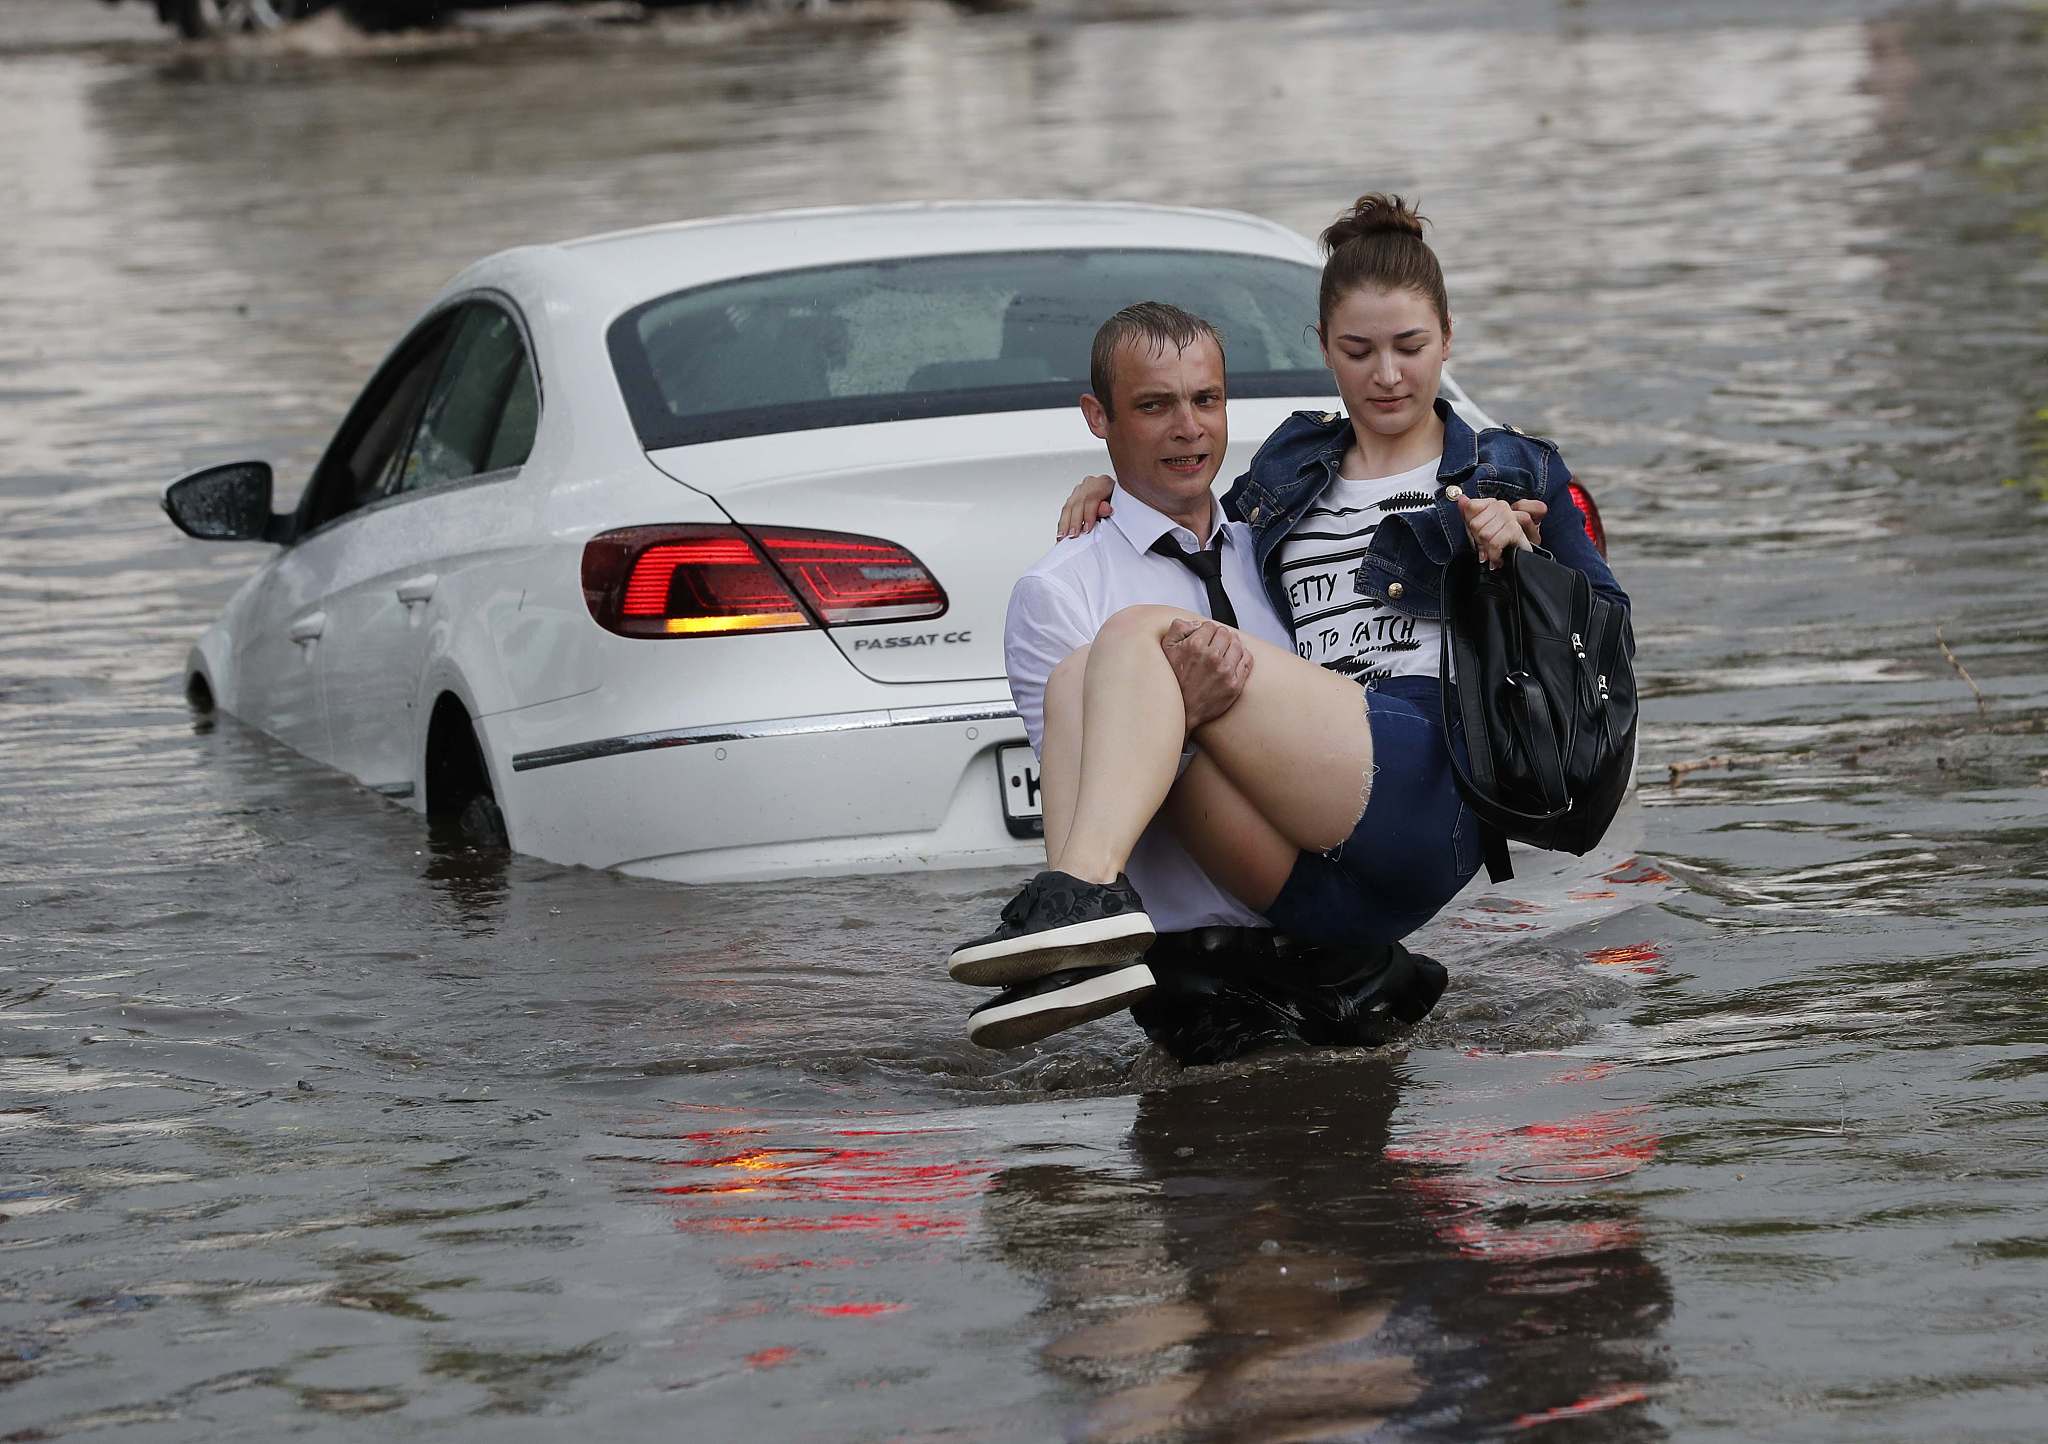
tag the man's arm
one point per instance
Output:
(1046, 624)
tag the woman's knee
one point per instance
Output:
(1070, 671)
(1143, 621)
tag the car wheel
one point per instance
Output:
(382, 16)
(481, 824)
(204, 19)
(460, 798)
(199, 697)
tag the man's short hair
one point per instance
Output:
(1152, 321)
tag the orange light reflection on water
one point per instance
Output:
(796, 1185)
(1635, 870)
(1640, 957)
(877, 1192)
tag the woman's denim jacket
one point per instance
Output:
(1404, 562)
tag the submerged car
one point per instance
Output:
(686, 550)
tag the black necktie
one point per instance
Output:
(1208, 565)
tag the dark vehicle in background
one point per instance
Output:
(205, 19)
(199, 19)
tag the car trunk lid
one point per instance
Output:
(975, 498)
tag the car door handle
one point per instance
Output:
(415, 590)
(308, 629)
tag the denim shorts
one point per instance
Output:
(1411, 852)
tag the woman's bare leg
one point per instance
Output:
(1295, 744)
(1059, 763)
(1243, 853)
(1227, 836)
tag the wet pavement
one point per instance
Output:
(307, 1117)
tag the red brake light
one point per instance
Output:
(675, 581)
(1595, 532)
(854, 578)
(670, 581)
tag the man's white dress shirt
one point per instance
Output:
(1057, 608)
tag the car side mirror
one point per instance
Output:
(226, 503)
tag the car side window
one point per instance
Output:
(367, 451)
(518, 421)
(481, 412)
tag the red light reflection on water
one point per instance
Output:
(839, 1175)
(853, 1311)
(777, 1262)
(1591, 1073)
(1473, 925)
(898, 1223)
(800, 1177)
(1488, 1176)
(775, 1186)
(1482, 1238)
(1638, 957)
(1636, 870)
(1590, 1136)
(1591, 1404)
(712, 1135)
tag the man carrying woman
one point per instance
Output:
(1317, 794)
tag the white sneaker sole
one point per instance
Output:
(1097, 944)
(1026, 1021)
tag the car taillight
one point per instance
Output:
(853, 578)
(1595, 532)
(679, 581)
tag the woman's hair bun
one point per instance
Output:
(1374, 215)
(1378, 244)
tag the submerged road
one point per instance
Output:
(306, 1119)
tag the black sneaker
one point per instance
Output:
(1040, 1008)
(1057, 922)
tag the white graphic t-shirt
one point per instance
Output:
(1334, 626)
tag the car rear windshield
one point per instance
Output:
(900, 340)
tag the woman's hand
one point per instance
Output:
(1495, 526)
(1086, 504)
(1211, 663)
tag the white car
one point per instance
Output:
(685, 550)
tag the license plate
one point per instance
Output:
(1017, 774)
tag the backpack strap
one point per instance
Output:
(1493, 847)
(1478, 781)
(1493, 843)
(1471, 719)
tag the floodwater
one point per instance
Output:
(311, 1124)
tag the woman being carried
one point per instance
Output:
(1324, 797)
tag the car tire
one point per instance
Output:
(208, 19)
(481, 823)
(199, 697)
(381, 17)
(460, 797)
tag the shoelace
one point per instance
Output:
(1018, 908)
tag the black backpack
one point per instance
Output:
(1546, 690)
